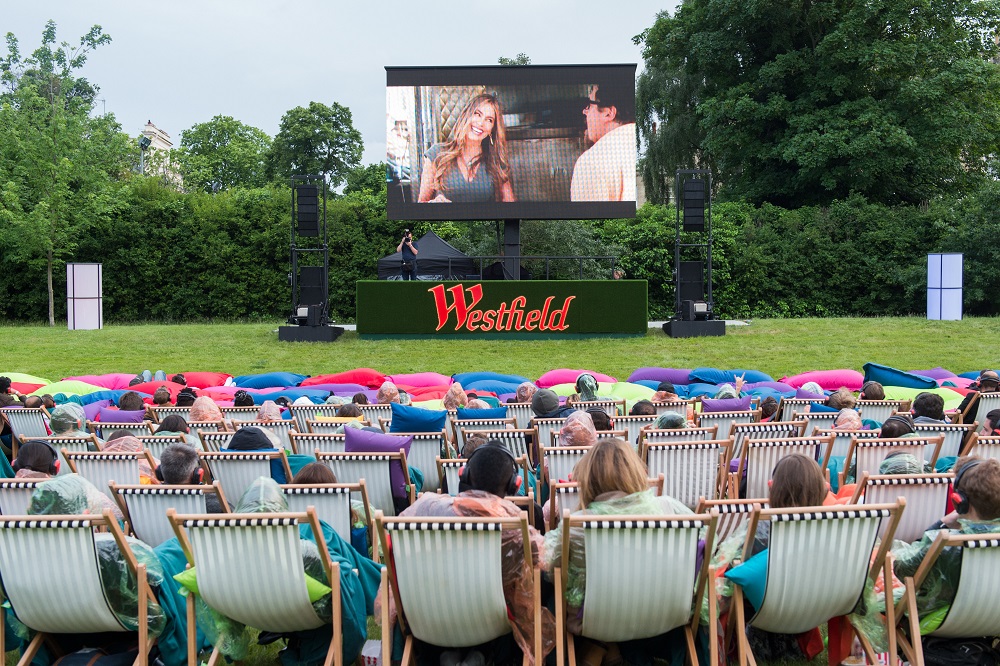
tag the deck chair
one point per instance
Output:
(760, 456)
(280, 428)
(635, 426)
(208, 426)
(543, 428)
(100, 468)
(70, 597)
(733, 513)
(987, 403)
(308, 443)
(460, 426)
(238, 414)
(301, 414)
(25, 422)
(214, 441)
(726, 420)
(611, 407)
(807, 540)
(565, 496)
(655, 436)
(319, 427)
(986, 447)
(690, 470)
(842, 438)
(373, 412)
(631, 595)
(384, 424)
(332, 502)
(15, 495)
(926, 498)
(558, 461)
(269, 551)
(449, 469)
(445, 576)
(955, 436)
(374, 468)
(156, 444)
(425, 448)
(676, 406)
(788, 406)
(816, 420)
(601, 434)
(521, 413)
(88, 443)
(974, 611)
(515, 440)
(145, 507)
(161, 412)
(868, 454)
(103, 430)
(880, 410)
(771, 430)
(236, 470)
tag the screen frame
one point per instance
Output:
(398, 209)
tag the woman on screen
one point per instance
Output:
(472, 165)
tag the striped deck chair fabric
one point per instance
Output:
(464, 554)
(309, 443)
(558, 461)
(208, 426)
(611, 407)
(145, 507)
(986, 447)
(521, 413)
(691, 470)
(301, 414)
(880, 410)
(733, 514)
(332, 502)
(69, 598)
(425, 448)
(460, 426)
(601, 434)
(103, 430)
(654, 436)
(214, 441)
(374, 468)
(926, 498)
(788, 406)
(725, 420)
(867, 454)
(373, 412)
(15, 495)
(269, 552)
(954, 434)
(759, 458)
(544, 427)
(280, 428)
(634, 426)
(563, 496)
(448, 471)
(236, 470)
(384, 424)
(161, 412)
(842, 438)
(156, 444)
(326, 427)
(676, 406)
(987, 403)
(88, 443)
(630, 595)
(237, 414)
(100, 468)
(771, 430)
(25, 422)
(515, 440)
(816, 420)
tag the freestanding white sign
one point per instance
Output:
(84, 296)
(944, 286)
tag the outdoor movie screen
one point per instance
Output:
(511, 142)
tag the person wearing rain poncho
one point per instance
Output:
(612, 481)
(69, 420)
(979, 482)
(586, 387)
(357, 592)
(71, 494)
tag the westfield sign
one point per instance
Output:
(512, 316)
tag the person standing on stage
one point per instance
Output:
(408, 263)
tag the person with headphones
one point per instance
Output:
(179, 466)
(489, 475)
(976, 497)
(35, 460)
(987, 382)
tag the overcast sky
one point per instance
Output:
(182, 62)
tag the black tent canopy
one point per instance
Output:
(436, 258)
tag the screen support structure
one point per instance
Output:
(512, 249)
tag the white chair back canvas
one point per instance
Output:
(15, 495)
(100, 468)
(869, 453)
(303, 413)
(237, 470)
(816, 420)
(237, 414)
(974, 611)
(725, 420)
(424, 450)
(954, 435)
(987, 447)
(373, 413)
(326, 427)
(73, 444)
(544, 428)
(654, 436)
(987, 403)
(788, 406)
(771, 430)
(521, 413)
(842, 438)
(675, 406)
(448, 474)
(559, 461)
(880, 410)
(564, 497)
(147, 508)
(278, 428)
(633, 425)
(214, 441)
(761, 457)
(611, 407)
(25, 422)
(373, 468)
(161, 412)
(691, 470)
(309, 443)
(332, 502)
(105, 430)
(461, 426)
(157, 444)
(733, 514)
(926, 498)
(515, 440)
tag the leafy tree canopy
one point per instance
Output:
(223, 153)
(519, 59)
(369, 179)
(799, 103)
(319, 139)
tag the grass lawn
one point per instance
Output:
(779, 347)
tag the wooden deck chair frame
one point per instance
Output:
(842, 438)
(732, 514)
(691, 601)
(206, 458)
(956, 436)
(15, 495)
(422, 459)
(525, 503)
(282, 429)
(742, 432)
(818, 448)
(617, 406)
(21, 420)
(698, 454)
(518, 437)
(400, 456)
(320, 427)
(360, 488)
(870, 567)
(880, 410)
(676, 406)
(559, 451)
(74, 457)
(907, 442)
(58, 443)
(984, 447)
(443, 464)
(231, 414)
(734, 417)
(926, 498)
(106, 521)
(143, 428)
(161, 411)
(974, 607)
(155, 444)
(384, 424)
(816, 420)
(635, 424)
(120, 490)
(314, 441)
(793, 405)
(220, 426)
(302, 414)
(666, 436)
(986, 403)
(390, 576)
(521, 413)
(209, 438)
(459, 426)
(181, 523)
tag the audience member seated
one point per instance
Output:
(175, 424)
(670, 421)
(586, 387)
(387, 393)
(897, 425)
(9, 396)
(350, 410)
(602, 421)
(898, 463)
(186, 397)
(360, 399)
(69, 420)
(31, 401)
(35, 460)
(205, 409)
(977, 511)
(928, 408)
(872, 391)
(842, 398)
(269, 411)
(180, 466)
(768, 408)
(490, 475)
(179, 379)
(130, 401)
(577, 430)
(848, 419)
(122, 441)
(988, 382)
(545, 405)
(161, 396)
(643, 408)
(991, 425)
(48, 402)
(242, 399)
(524, 392)
(252, 438)
(455, 397)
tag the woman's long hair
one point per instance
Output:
(494, 147)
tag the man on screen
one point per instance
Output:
(606, 170)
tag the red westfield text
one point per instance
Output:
(511, 316)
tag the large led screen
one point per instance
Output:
(522, 142)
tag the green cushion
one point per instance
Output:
(951, 398)
(317, 590)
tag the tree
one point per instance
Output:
(799, 103)
(319, 139)
(519, 59)
(223, 153)
(56, 161)
(368, 179)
